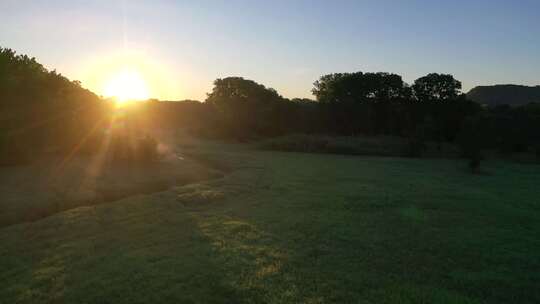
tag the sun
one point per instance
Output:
(126, 85)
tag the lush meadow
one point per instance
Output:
(291, 227)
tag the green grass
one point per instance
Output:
(46, 187)
(292, 228)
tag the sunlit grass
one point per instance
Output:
(292, 228)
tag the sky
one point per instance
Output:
(181, 47)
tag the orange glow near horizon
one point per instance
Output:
(129, 76)
(126, 85)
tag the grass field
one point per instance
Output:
(33, 191)
(292, 228)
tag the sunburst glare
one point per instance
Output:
(127, 85)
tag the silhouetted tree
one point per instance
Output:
(436, 87)
(246, 109)
(361, 102)
(41, 109)
(357, 87)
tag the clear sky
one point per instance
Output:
(180, 47)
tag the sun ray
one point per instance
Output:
(127, 85)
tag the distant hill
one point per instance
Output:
(510, 94)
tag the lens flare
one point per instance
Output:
(127, 85)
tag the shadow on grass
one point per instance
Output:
(31, 193)
(145, 249)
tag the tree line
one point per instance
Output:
(41, 110)
(432, 109)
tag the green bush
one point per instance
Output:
(360, 145)
(147, 149)
(123, 148)
(470, 141)
(347, 145)
(415, 147)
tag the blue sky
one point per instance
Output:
(286, 45)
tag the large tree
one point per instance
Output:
(436, 87)
(232, 90)
(358, 86)
(361, 103)
(245, 108)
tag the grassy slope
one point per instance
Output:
(286, 227)
(43, 188)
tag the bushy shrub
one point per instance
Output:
(147, 149)
(415, 147)
(360, 145)
(470, 141)
(123, 148)
(297, 143)
(347, 145)
(474, 161)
